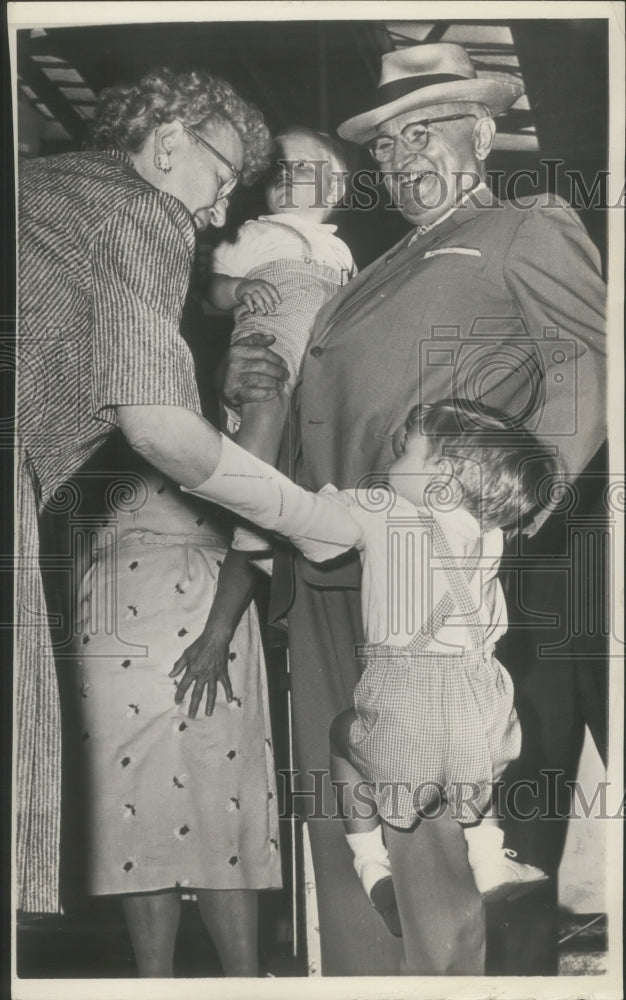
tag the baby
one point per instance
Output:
(433, 709)
(279, 272)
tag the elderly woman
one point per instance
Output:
(107, 242)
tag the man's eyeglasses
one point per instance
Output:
(229, 185)
(413, 136)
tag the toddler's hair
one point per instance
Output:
(505, 472)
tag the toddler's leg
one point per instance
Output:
(496, 872)
(359, 816)
(362, 825)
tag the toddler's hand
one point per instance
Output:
(257, 296)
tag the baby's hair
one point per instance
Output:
(333, 147)
(504, 471)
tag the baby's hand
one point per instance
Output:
(257, 296)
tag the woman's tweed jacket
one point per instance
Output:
(104, 264)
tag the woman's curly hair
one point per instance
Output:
(125, 115)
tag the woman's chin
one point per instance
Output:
(201, 219)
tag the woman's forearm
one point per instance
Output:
(319, 524)
(183, 446)
(178, 442)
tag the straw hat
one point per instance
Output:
(424, 75)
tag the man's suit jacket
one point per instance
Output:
(500, 302)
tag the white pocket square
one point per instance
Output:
(468, 251)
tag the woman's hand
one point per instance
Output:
(257, 296)
(204, 663)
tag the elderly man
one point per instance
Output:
(495, 302)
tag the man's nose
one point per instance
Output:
(403, 158)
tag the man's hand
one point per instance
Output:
(205, 663)
(258, 296)
(252, 372)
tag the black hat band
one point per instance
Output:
(409, 84)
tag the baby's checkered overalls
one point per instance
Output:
(305, 286)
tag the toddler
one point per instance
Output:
(279, 272)
(433, 710)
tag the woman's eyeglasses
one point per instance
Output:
(229, 185)
(413, 136)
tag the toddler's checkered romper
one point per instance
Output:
(429, 725)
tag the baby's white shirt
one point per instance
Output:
(269, 238)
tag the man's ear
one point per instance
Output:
(484, 134)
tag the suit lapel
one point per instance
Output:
(402, 256)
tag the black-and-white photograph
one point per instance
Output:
(318, 582)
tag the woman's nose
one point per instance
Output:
(397, 441)
(217, 213)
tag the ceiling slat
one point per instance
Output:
(50, 95)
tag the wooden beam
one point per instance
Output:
(49, 94)
(437, 31)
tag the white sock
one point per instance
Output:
(371, 861)
(483, 842)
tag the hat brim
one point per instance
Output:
(498, 91)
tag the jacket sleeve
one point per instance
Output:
(140, 266)
(552, 271)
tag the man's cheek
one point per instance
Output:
(392, 186)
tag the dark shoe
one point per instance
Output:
(510, 891)
(383, 899)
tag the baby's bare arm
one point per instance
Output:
(227, 293)
(221, 291)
